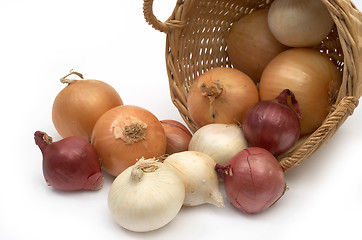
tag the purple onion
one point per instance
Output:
(273, 124)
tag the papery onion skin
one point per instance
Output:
(69, 164)
(177, 135)
(299, 23)
(146, 137)
(221, 95)
(253, 180)
(273, 124)
(311, 76)
(251, 45)
(78, 106)
(147, 201)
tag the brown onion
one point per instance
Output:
(125, 134)
(177, 135)
(253, 180)
(79, 105)
(69, 164)
(221, 95)
(251, 45)
(273, 124)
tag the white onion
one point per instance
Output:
(220, 141)
(299, 23)
(197, 171)
(146, 196)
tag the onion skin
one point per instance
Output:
(221, 95)
(146, 139)
(69, 164)
(251, 45)
(272, 124)
(253, 180)
(78, 106)
(177, 136)
(311, 76)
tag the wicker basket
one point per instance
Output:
(195, 43)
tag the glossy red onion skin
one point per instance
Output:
(271, 125)
(253, 180)
(70, 164)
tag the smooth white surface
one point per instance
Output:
(110, 41)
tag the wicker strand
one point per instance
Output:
(344, 109)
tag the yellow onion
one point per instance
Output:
(125, 134)
(221, 95)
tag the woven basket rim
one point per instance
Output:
(348, 21)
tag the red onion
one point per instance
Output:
(273, 124)
(69, 164)
(253, 180)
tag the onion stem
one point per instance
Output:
(212, 91)
(69, 81)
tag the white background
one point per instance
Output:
(109, 40)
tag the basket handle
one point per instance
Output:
(340, 113)
(157, 24)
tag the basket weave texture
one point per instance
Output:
(195, 43)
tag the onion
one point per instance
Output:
(127, 133)
(272, 124)
(79, 105)
(311, 76)
(253, 180)
(197, 172)
(299, 23)
(220, 141)
(146, 196)
(251, 45)
(69, 164)
(221, 95)
(177, 136)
